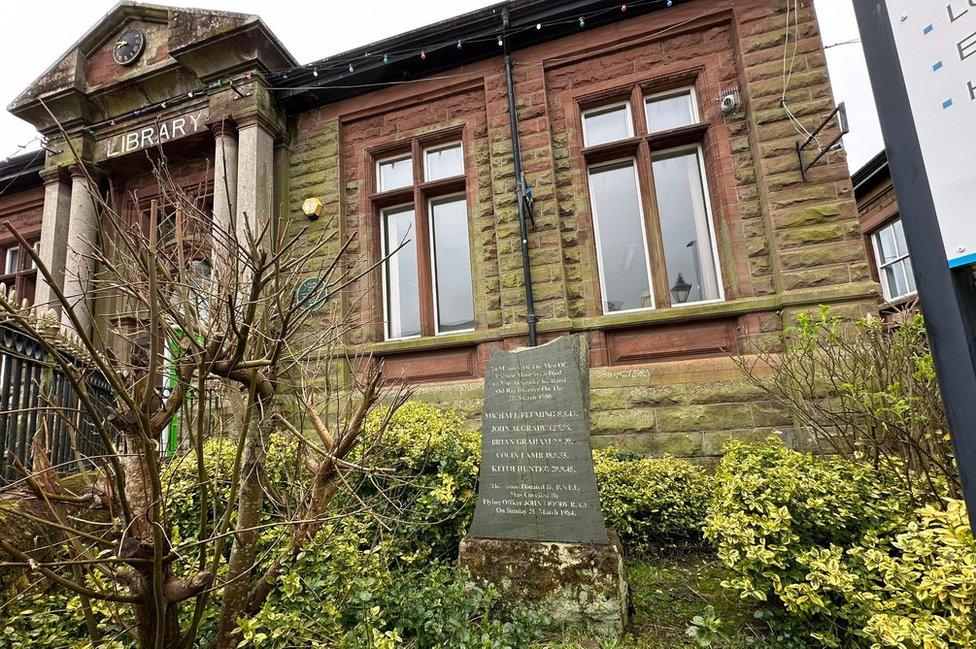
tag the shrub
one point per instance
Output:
(836, 546)
(866, 386)
(651, 502)
(370, 579)
(430, 498)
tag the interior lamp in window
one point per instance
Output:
(681, 290)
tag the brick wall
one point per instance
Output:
(662, 381)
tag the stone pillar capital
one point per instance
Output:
(224, 127)
(55, 175)
(262, 121)
(84, 171)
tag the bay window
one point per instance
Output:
(424, 241)
(652, 221)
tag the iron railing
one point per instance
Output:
(37, 398)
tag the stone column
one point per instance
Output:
(255, 174)
(54, 235)
(225, 182)
(82, 241)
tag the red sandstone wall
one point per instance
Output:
(785, 243)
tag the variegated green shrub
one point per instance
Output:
(651, 502)
(833, 544)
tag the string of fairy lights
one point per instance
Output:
(338, 66)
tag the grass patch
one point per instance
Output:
(668, 590)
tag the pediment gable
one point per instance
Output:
(82, 81)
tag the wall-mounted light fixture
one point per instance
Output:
(313, 208)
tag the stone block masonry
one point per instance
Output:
(662, 381)
(683, 409)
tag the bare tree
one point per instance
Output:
(866, 386)
(239, 330)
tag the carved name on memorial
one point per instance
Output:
(537, 480)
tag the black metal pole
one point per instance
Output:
(948, 296)
(519, 187)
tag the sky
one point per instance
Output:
(34, 34)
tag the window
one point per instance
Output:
(621, 243)
(420, 201)
(607, 124)
(11, 256)
(453, 299)
(670, 110)
(401, 273)
(394, 173)
(443, 162)
(689, 258)
(638, 238)
(894, 264)
(17, 270)
(201, 287)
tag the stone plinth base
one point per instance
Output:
(573, 584)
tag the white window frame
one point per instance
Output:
(393, 158)
(433, 263)
(383, 255)
(14, 247)
(876, 244)
(606, 108)
(667, 94)
(709, 217)
(440, 147)
(596, 231)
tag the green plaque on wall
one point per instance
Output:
(306, 293)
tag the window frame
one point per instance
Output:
(709, 218)
(645, 146)
(882, 277)
(597, 240)
(446, 198)
(400, 207)
(22, 278)
(606, 108)
(440, 147)
(665, 94)
(396, 157)
(418, 194)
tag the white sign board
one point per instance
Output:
(936, 42)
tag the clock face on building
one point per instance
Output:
(128, 47)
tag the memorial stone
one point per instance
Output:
(536, 480)
(538, 535)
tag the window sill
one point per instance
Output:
(643, 317)
(899, 302)
(440, 341)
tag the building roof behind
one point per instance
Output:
(330, 79)
(870, 173)
(21, 172)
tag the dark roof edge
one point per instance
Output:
(21, 172)
(478, 30)
(865, 177)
